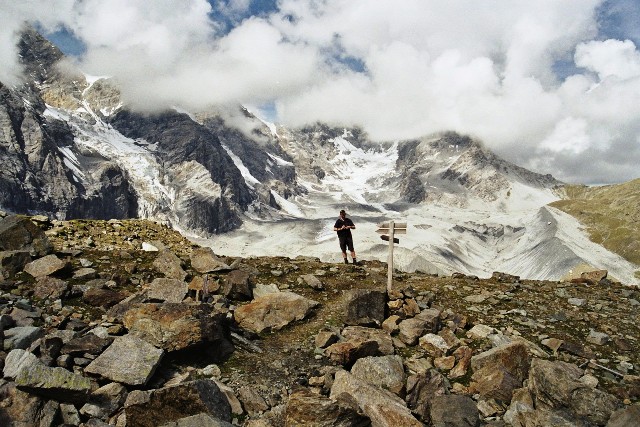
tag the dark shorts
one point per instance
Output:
(346, 242)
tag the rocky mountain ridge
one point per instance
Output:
(128, 323)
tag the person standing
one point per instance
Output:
(343, 227)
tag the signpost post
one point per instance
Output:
(388, 231)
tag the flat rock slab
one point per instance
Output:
(45, 266)
(15, 361)
(170, 265)
(21, 337)
(128, 360)
(53, 383)
(203, 260)
(273, 311)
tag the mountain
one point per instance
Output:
(72, 149)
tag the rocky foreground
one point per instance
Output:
(127, 323)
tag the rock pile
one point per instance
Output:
(126, 323)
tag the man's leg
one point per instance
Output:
(353, 257)
(343, 248)
(344, 257)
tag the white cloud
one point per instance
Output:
(483, 68)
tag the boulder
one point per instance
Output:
(556, 385)
(384, 340)
(383, 408)
(50, 287)
(409, 330)
(386, 372)
(20, 233)
(514, 358)
(434, 345)
(237, 285)
(365, 307)
(203, 260)
(175, 327)
(86, 344)
(170, 265)
(464, 415)
(105, 401)
(105, 298)
(346, 353)
(12, 262)
(625, 417)
(21, 337)
(128, 360)
(166, 289)
(273, 311)
(160, 406)
(422, 388)
(251, 400)
(53, 383)
(305, 408)
(21, 409)
(15, 361)
(46, 266)
(200, 420)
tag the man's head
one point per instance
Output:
(342, 213)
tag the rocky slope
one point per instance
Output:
(127, 323)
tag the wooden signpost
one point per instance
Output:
(388, 231)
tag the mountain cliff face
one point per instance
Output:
(70, 148)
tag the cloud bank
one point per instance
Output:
(399, 69)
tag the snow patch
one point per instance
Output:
(248, 178)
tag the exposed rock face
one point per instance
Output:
(365, 308)
(53, 383)
(18, 232)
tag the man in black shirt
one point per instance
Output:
(344, 226)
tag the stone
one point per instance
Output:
(365, 307)
(422, 388)
(445, 363)
(383, 408)
(597, 338)
(504, 277)
(173, 327)
(578, 302)
(463, 362)
(105, 401)
(312, 281)
(21, 337)
(386, 372)
(514, 358)
(625, 417)
(88, 343)
(433, 344)
(70, 415)
(384, 340)
(106, 298)
(480, 331)
(170, 265)
(85, 273)
(203, 260)
(305, 408)
(595, 275)
(273, 311)
(50, 287)
(46, 266)
(346, 353)
(325, 338)
(493, 382)
(557, 385)
(465, 413)
(53, 383)
(251, 400)
(237, 285)
(552, 344)
(128, 360)
(20, 233)
(21, 409)
(167, 290)
(200, 420)
(12, 262)
(160, 406)
(234, 402)
(390, 324)
(260, 289)
(15, 361)
(410, 330)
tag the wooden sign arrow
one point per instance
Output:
(398, 228)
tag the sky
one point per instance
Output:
(550, 85)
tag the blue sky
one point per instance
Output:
(551, 85)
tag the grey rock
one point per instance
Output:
(312, 281)
(409, 330)
(160, 406)
(85, 273)
(384, 408)
(386, 372)
(21, 337)
(237, 285)
(12, 262)
(70, 415)
(128, 360)
(45, 266)
(251, 400)
(464, 415)
(578, 302)
(625, 417)
(200, 420)
(305, 408)
(169, 290)
(170, 265)
(15, 361)
(365, 307)
(50, 287)
(86, 344)
(203, 260)
(598, 338)
(105, 401)
(422, 388)
(382, 338)
(53, 383)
